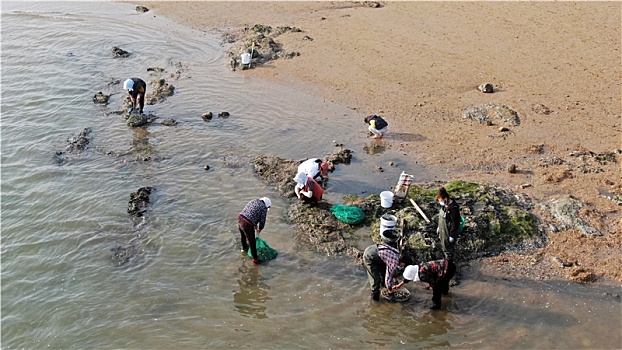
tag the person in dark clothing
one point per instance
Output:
(251, 220)
(136, 89)
(383, 264)
(448, 223)
(377, 126)
(436, 273)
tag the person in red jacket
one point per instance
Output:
(307, 189)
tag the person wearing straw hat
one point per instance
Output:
(251, 221)
(383, 264)
(307, 189)
(136, 89)
(436, 273)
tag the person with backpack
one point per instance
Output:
(377, 125)
(448, 223)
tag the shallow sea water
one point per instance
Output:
(188, 286)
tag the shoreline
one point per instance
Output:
(419, 65)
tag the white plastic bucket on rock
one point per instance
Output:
(387, 222)
(246, 58)
(386, 199)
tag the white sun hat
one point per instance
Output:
(411, 273)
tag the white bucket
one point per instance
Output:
(387, 222)
(386, 199)
(246, 58)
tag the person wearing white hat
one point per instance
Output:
(136, 89)
(251, 221)
(436, 273)
(307, 189)
(315, 168)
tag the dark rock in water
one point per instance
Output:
(120, 52)
(207, 116)
(142, 9)
(100, 98)
(486, 88)
(344, 156)
(161, 90)
(223, 115)
(80, 141)
(139, 201)
(136, 119)
(169, 122)
(122, 255)
(155, 69)
(206, 167)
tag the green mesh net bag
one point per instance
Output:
(349, 214)
(264, 251)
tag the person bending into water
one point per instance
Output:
(377, 126)
(436, 273)
(315, 168)
(250, 220)
(307, 189)
(136, 89)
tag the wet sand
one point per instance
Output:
(557, 64)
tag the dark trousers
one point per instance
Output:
(375, 267)
(247, 236)
(442, 286)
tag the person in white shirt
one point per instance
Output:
(314, 168)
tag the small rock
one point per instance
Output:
(512, 168)
(100, 98)
(119, 52)
(206, 167)
(169, 122)
(223, 115)
(486, 88)
(504, 129)
(207, 116)
(523, 186)
(306, 37)
(142, 9)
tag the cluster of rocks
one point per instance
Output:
(259, 42)
(497, 220)
(136, 243)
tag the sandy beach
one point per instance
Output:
(419, 65)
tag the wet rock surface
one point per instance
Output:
(500, 223)
(136, 244)
(490, 112)
(75, 145)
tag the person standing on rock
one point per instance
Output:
(448, 223)
(377, 126)
(315, 168)
(136, 89)
(307, 189)
(251, 221)
(436, 273)
(382, 263)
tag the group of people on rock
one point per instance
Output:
(384, 263)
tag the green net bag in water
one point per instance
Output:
(349, 214)
(264, 251)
